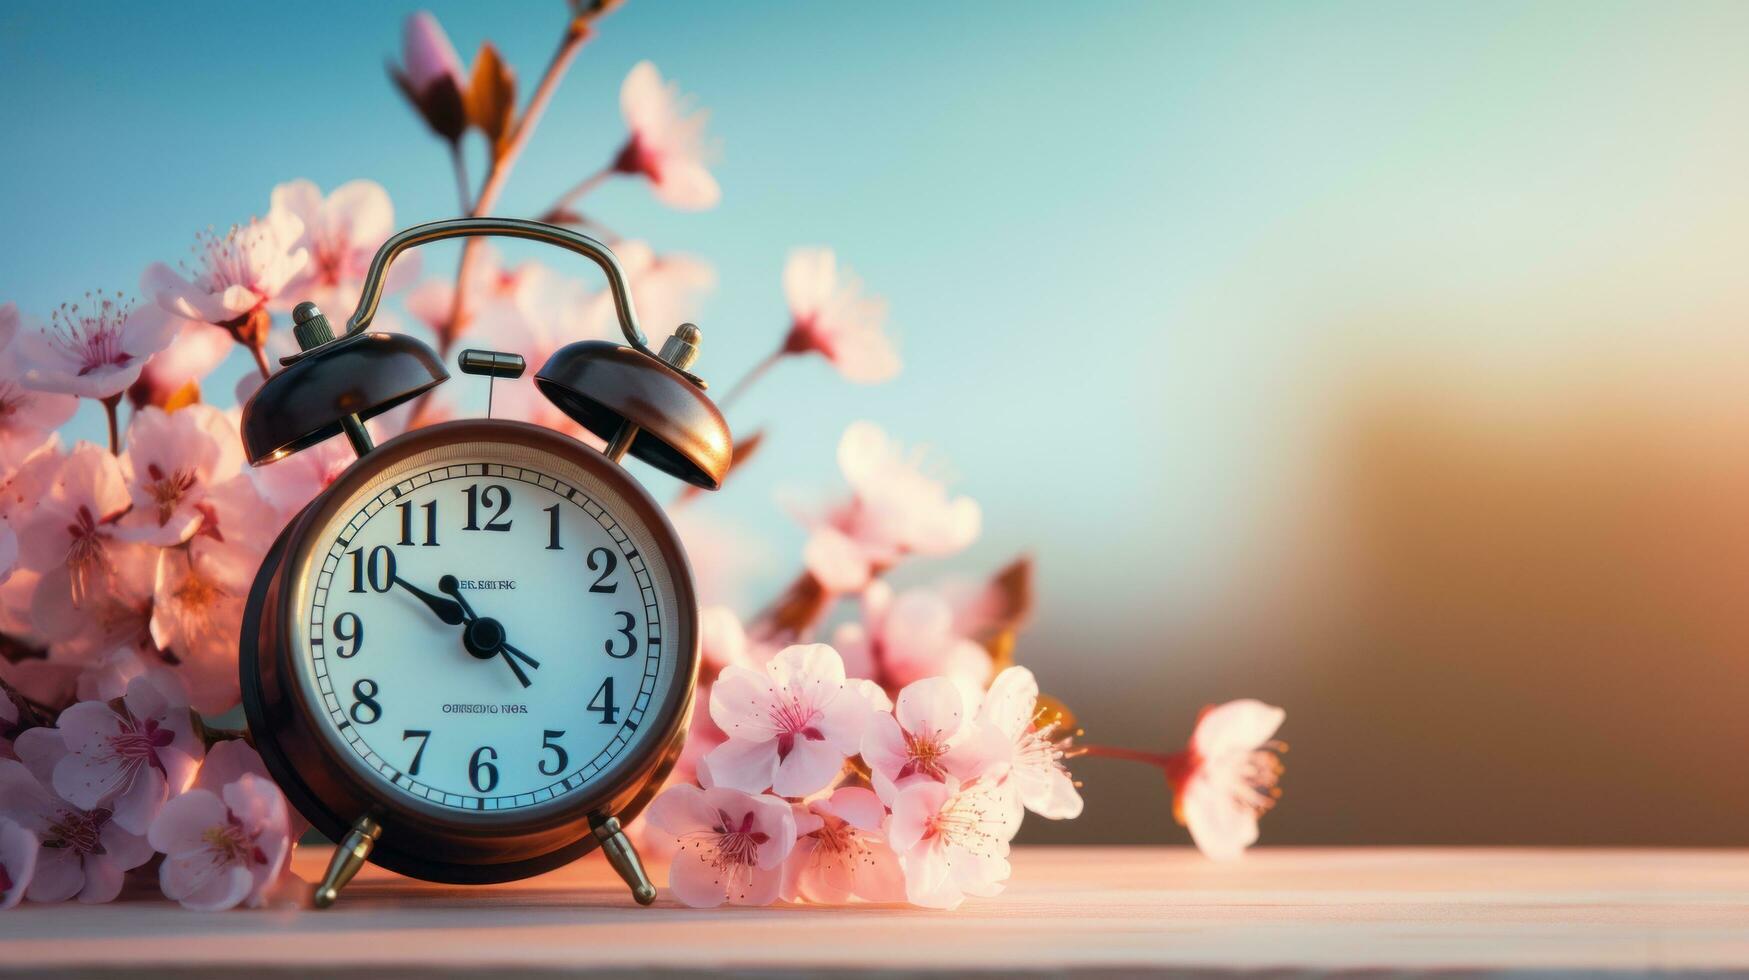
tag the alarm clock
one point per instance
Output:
(471, 658)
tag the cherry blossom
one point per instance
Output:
(28, 417)
(173, 459)
(73, 541)
(952, 839)
(841, 852)
(1041, 781)
(667, 143)
(908, 637)
(1226, 778)
(198, 349)
(730, 845)
(197, 614)
(226, 848)
(789, 727)
(130, 760)
(431, 76)
(932, 736)
(235, 275)
(83, 853)
(341, 233)
(489, 280)
(93, 349)
(895, 509)
(18, 850)
(108, 676)
(830, 316)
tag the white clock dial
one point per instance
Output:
(483, 628)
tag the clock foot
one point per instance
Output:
(348, 858)
(624, 858)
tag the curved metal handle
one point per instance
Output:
(538, 231)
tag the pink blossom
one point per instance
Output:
(1041, 781)
(83, 853)
(731, 845)
(722, 639)
(931, 737)
(94, 350)
(107, 677)
(667, 289)
(129, 761)
(173, 460)
(830, 316)
(667, 143)
(73, 541)
(909, 637)
(489, 279)
(952, 839)
(27, 417)
(226, 848)
(841, 852)
(895, 509)
(431, 76)
(198, 349)
(18, 850)
(236, 274)
(8, 551)
(1227, 776)
(789, 727)
(197, 614)
(293, 481)
(342, 233)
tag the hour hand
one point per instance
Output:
(447, 610)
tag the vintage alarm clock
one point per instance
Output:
(472, 657)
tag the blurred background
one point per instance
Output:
(1381, 361)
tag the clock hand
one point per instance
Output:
(484, 638)
(447, 610)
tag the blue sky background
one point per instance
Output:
(1135, 252)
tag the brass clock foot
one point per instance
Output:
(348, 858)
(624, 858)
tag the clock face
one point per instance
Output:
(483, 627)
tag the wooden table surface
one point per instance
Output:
(1125, 911)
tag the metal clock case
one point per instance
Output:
(346, 559)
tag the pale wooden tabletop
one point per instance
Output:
(1127, 911)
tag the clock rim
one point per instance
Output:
(500, 845)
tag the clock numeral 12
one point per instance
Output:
(476, 497)
(430, 509)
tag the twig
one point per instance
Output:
(461, 173)
(752, 375)
(576, 32)
(583, 187)
(109, 408)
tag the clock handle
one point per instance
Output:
(539, 231)
(624, 858)
(348, 858)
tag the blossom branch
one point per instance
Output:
(556, 213)
(576, 32)
(460, 164)
(753, 374)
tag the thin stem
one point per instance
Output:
(1157, 759)
(583, 187)
(110, 405)
(461, 174)
(753, 374)
(576, 32)
(260, 355)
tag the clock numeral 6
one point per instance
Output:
(379, 570)
(483, 774)
(348, 627)
(477, 497)
(629, 623)
(561, 761)
(424, 736)
(365, 690)
(602, 703)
